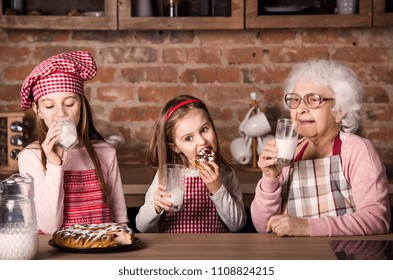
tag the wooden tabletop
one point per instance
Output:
(226, 246)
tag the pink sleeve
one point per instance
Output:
(48, 190)
(366, 174)
(114, 183)
(267, 202)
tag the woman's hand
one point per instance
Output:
(211, 176)
(286, 225)
(267, 160)
(54, 153)
(160, 202)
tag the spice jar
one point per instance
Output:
(18, 221)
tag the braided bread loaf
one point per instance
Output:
(93, 236)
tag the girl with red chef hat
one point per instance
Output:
(80, 185)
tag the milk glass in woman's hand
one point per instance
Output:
(286, 141)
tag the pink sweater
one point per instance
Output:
(48, 187)
(366, 175)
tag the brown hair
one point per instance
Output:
(86, 131)
(159, 152)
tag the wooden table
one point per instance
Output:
(226, 246)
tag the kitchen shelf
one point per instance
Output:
(382, 15)
(106, 22)
(232, 22)
(255, 21)
(119, 15)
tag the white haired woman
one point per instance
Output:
(337, 184)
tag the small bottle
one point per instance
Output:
(173, 8)
(18, 6)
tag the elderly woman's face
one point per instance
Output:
(317, 123)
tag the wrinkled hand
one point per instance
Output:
(160, 202)
(267, 160)
(54, 153)
(286, 225)
(211, 176)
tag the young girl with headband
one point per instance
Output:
(212, 198)
(72, 185)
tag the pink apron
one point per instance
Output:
(199, 214)
(317, 187)
(84, 200)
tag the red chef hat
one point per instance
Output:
(64, 72)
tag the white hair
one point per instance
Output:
(340, 80)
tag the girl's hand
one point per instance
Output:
(160, 203)
(267, 160)
(211, 176)
(286, 225)
(54, 153)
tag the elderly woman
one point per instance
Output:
(337, 184)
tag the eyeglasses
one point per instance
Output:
(312, 100)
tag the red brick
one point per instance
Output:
(17, 72)
(244, 55)
(150, 74)
(116, 93)
(12, 54)
(162, 94)
(105, 75)
(365, 55)
(293, 54)
(211, 75)
(9, 93)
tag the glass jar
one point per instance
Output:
(18, 221)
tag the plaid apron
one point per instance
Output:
(84, 200)
(199, 214)
(317, 187)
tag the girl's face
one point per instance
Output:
(58, 105)
(192, 133)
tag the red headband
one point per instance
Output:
(180, 105)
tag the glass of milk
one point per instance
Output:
(69, 135)
(173, 178)
(286, 141)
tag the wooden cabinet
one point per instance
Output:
(243, 14)
(305, 19)
(382, 13)
(62, 21)
(129, 20)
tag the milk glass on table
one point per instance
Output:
(173, 178)
(286, 141)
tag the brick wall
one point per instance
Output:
(139, 71)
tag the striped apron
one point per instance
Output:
(317, 187)
(84, 200)
(199, 214)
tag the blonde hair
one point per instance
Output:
(159, 152)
